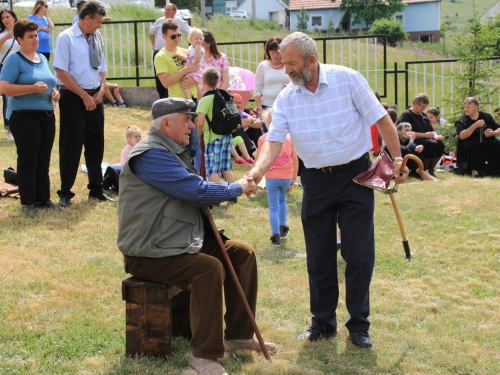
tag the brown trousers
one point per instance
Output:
(205, 275)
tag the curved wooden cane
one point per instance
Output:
(406, 246)
(230, 267)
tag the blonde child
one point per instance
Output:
(133, 134)
(280, 179)
(195, 55)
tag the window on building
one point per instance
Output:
(400, 18)
(231, 6)
(316, 21)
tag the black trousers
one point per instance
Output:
(162, 90)
(34, 133)
(329, 198)
(4, 112)
(80, 128)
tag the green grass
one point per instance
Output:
(62, 312)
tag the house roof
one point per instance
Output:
(327, 4)
(285, 6)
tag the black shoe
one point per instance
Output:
(101, 197)
(315, 333)
(30, 210)
(48, 204)
(275, 239)
(284, 230)
(64, 201)
(431, 172)
(361, 339)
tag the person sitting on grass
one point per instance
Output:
(280, 180)
(408, 146)
(133, 134)
(118, 102)
(217, 147)
(249, 123)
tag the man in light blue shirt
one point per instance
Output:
(328, 111)
(80, 67)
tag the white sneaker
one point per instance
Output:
(10, 137)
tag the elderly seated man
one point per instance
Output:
(166, 238)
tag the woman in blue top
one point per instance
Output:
(27, 78)
(40, 15)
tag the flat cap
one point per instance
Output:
(166, 106)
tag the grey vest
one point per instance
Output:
(152, 223)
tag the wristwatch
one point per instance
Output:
(397, 158)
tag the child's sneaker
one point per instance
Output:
(276, 240)
(250, 161)
(116, 104)
(284, 230)
(241, 161)
(124, 104)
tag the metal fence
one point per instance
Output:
(130, 60)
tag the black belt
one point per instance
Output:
(343, 167)
(88, 91)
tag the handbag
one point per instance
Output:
(10, 176)
(7, 54)
(379, 175)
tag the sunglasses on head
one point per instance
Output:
(175, 36)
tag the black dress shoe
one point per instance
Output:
(361, 339)
(320, 331)
(30, 210)
(101, 197)
(48, 204)
(65, 201)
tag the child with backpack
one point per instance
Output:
(217, 146)
(280, 179)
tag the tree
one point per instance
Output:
(302, 20)
(370, 10)
(474, 49)
(394, 31)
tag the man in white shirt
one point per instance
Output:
(328, 111)
(157, 41)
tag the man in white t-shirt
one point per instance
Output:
(157, 41)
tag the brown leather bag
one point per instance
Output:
(379, 175)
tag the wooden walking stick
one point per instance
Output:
(391, 191)
(230, 267)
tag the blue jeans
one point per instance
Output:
(276, 196)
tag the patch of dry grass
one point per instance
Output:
(62, 312)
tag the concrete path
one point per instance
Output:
(492, 12)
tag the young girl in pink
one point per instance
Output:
(280, 179)
(195, 55)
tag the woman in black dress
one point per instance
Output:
(424, 133)
(478, 147)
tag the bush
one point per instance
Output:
(394, 31)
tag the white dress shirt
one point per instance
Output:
(156, 30)
(332, 125)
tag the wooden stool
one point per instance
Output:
(153, 316)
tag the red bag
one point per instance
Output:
(379, 175)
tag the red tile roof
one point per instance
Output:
(327, 4)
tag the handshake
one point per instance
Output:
(249, 181)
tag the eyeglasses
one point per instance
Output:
(173, 37)
(46, 5)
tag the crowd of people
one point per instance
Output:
(168, 175)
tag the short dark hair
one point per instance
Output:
(421, 99)
(80, 4)
(21, 27)
(174, 7)
(92, 9)
(433, 111)
(393, 114)
(272, 44)
(11, 12)
(211, 77)
(169, 24)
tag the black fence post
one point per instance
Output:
(395, 83)
(136, 43)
